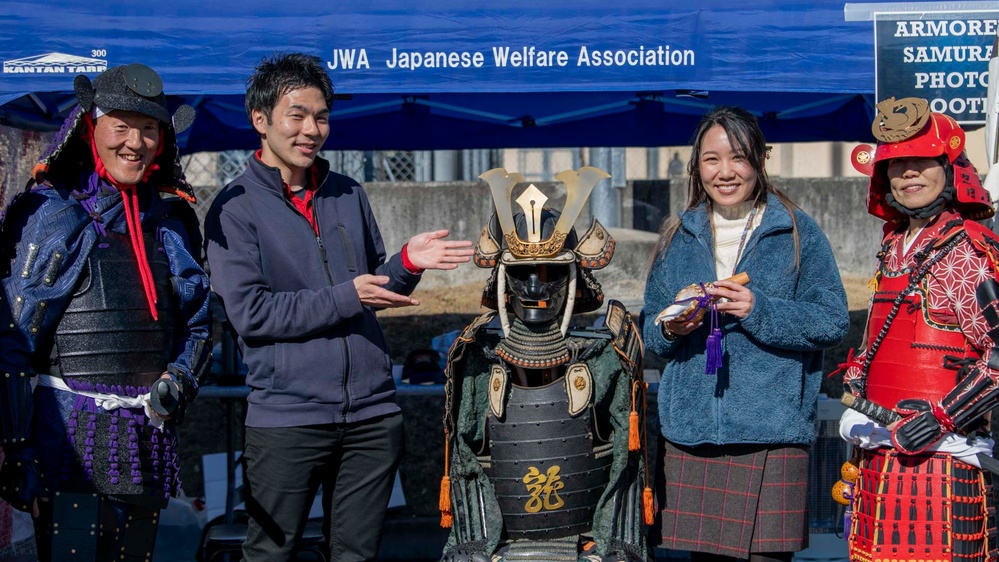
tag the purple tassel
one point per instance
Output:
(848, 512)
(714, 345)
(113, 471)
(88, 455)
(847, 522)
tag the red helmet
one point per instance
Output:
(906, 128)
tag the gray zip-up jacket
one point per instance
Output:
(315, 355)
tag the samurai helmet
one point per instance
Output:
(906, 128)
(134, 87)
(541, 268)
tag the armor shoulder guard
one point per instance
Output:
(471, 332)
(985, 241)
(596, 247)
(626, 339)
(456, 355)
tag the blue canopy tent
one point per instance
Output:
(450, 74)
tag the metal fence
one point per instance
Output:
(19, 151)
(209, 172)
(829, 452)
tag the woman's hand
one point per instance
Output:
(734, 299)
(679, 328)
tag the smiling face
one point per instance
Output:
(126, 143)
(294, 132)
(727, 175)
(916, 182)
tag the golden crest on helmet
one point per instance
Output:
(898, 120)
(578, 184)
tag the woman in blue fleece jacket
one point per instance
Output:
(735, 457)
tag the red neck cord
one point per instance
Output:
(130, 200)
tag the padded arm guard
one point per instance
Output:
(16, 406)
(963, 406)
(627, 339)
(977, 392)
(20, 478)
(971, 399)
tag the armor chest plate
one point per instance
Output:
(107, 335)
(547, 467)
(910, 360)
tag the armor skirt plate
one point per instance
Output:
(921, 507)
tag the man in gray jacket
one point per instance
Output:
(299, 264)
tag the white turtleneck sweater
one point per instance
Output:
(729, 225)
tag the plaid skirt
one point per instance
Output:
(733, 500)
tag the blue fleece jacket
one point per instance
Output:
(767, 387)
(315, 355)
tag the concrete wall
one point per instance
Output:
(404, 209)
(839, 206)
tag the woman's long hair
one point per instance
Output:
(745, 136)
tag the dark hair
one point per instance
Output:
(745, 136)
(279, 74)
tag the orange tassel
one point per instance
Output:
(634, 443)
(40, 170)
(175, 191)
(648, 506)
(444, 502)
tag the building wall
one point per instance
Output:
(402, 210)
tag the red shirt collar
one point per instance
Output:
(312, 178)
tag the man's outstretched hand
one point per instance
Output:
(430, 250)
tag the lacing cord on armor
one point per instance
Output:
(130, 201)
(962, 365)
(946, 422)
(914, 280)
(917, 345)
(638, 441)
(444, 499)
(108, 402)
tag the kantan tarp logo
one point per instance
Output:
(54, 63)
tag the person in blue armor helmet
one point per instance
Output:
(105, 308)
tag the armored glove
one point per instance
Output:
(168, 397)
(21, 478)
(922, 425)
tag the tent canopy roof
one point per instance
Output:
(516, 74)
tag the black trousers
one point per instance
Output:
(355, 464)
